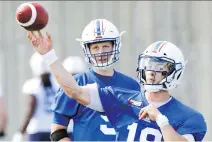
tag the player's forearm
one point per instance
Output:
(25, 123)
(23, 127)
(69, 84)
(65, 140)
(64, 78)
(3, 123)
(169, 134)
(31, 105)
(28, 116)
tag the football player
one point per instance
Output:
(101, 43)
(3, 115)
(40, 92)
(160, 69)
(161, 116)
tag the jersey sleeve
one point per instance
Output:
(124, 99)
(195, 125)
(137, 86)
(61, 119)
(110, 105)
(118, 107)
(95, 102)
(65, 105)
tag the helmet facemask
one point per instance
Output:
(169, 71)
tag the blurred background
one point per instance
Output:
(186, 24)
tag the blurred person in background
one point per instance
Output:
(40, 92)
(3, 115)
(101, 43)
(74, 65)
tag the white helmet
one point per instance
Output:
(38, 65)
(74, 64)
(100, 30)
(157, 56)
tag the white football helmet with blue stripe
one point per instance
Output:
(100, 30)
(157, 56)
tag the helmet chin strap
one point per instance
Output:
(102, 68)
(153, 88)
(156, 87)
(105, 67)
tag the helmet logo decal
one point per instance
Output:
(99, 29)
(102, 28)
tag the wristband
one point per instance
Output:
(162, 120)
(50, 57)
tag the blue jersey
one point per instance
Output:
(89, 125)
(123, 108)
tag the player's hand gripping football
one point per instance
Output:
(149, 111)
(41, 43)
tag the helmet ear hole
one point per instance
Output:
(164, 54)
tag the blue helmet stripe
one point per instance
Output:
(158, 44)
(98, 28)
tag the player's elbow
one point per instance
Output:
(59, 133)
(55, 127)
(72, 92)
(79, 93)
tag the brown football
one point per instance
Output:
(32, 16)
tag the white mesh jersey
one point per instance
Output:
(42, 117)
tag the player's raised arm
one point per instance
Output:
(43, 45)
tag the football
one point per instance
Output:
(32, 16)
